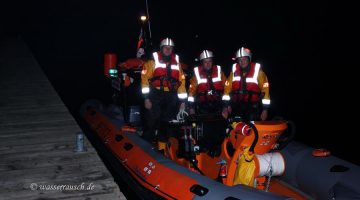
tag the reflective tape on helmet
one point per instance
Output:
(242, 52)
(182, 95)
(206, 54)
(167, 42)
(145, 90)
(191, 99)
(266, 101)
(265, 85)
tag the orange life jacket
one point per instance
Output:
(160, 76)
(205, 90)
(252, 90)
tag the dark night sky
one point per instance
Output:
(304, 48)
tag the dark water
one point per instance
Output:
(303, 48)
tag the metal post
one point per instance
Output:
(80, 143)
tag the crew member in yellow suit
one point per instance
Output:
(163, 89)
(247, 88)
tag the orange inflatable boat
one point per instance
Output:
(255, 160)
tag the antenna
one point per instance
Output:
(147, 13)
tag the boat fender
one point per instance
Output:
(321, 153)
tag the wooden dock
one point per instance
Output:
(37, 137)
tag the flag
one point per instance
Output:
(140, 49)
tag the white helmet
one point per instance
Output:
(242, 52)
(206, 54)
(167, 42)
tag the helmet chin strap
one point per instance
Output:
(207, 69)
(165, 58)
(245, 69)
